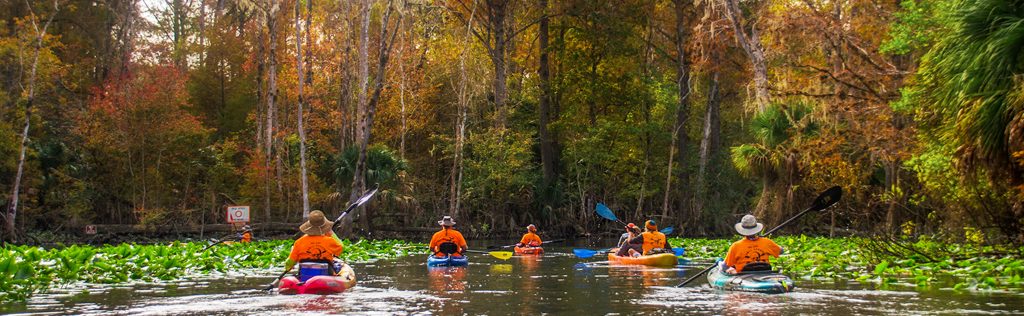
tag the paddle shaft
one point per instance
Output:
(819, 204)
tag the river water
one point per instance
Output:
(556, 283)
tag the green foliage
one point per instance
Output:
(961, 266)
(839, 260)
(25, 270)
(383, 166)
(916, 26)
(779, 130)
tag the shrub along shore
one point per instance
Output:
(26, 270)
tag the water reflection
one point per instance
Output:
(449, 283)
(751, 304)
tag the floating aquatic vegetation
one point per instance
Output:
(25, 270)
(933, 264)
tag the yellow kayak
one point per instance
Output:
(655, 260)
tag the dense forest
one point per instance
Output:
(507, 112)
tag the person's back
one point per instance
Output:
(653, 240)
(748, 250)
(530, 239)
(752, 248)
(447, 234)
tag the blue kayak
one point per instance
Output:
(755, 281)
(449, 261)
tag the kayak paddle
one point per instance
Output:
(667, 230)
(359, 202)
(503, 255)
(584, 254)
(603, 211)
(823, 201)
(510, 246)
(220, 241)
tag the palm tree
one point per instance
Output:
(780, 131)
(972, 88)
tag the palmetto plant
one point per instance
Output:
(973, 83)
(779, 132)
(972, 91)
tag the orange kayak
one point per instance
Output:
(655, 260)
(529, 250)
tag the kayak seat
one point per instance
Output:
(448, 248)
(757, 267)
(310, 268)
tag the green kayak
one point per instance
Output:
(756, 281)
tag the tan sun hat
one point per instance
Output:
(317, 225)
(748, 226)
(446, 221)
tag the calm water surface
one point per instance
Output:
(556, 283)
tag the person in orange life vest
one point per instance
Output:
(246, 235)
(751, 248)
(447, 235)
(530, 238)
(650, 241)
(318, 244)
(631, 232)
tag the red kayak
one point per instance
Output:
(529, 250)
(320, 285)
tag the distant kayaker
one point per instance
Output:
(650, 241)
(447, 240)
(246, 235)
(751, 249)
(631, 232)
(530, 239)
(317, 249)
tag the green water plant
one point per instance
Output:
(932, 265)
(25, 270)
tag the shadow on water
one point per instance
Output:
(556, 283)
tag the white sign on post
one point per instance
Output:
(238, 214)
(90, 229)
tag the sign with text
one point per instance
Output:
(90, 229)
(238, 214)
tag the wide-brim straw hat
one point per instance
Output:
(748, 226)
(317, 225)
(446, 221)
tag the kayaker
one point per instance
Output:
(650, 241)
(317, 249)
(448, 238)
(530, 239)
(246, 235)
(631, 232)
(751, 249)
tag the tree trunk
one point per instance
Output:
(498, 11)
(547, 150)
(683, 110)
(366, 124)
(10, 230)
(363, 77)
(269, 137)
(709, 146)
(302, 130)
(751, 44)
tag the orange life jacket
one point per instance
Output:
(653, 240)
(247, 237)
(447, 235)
(531, 239)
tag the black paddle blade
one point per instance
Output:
(828, 198)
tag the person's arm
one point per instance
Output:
(639, 239)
